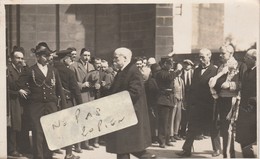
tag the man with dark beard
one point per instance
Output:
(14, 109)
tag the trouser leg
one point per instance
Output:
(247, 151)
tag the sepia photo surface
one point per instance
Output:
(151, 29)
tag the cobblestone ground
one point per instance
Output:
(202, 149)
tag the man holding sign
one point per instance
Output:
(137, 138)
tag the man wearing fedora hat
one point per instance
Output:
(44, 90)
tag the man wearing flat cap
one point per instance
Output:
(44, 90)
(187, 74)
(69, 85)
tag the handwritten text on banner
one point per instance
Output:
(88, 120)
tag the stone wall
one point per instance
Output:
(164, 30)
(137, 28)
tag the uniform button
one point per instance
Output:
(50, 93)
(43, 88)
(44, 93)
(44, 97)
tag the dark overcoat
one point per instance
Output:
(201, 98)
(138, 137)
(69, 84)
(13, 103)
(246, 123)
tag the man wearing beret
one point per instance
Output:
(70, 86)
(44, 90)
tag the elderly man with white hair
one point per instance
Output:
(246, 123)
(227, 85)
(135, 139)
(201, 105)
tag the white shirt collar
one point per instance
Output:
(44, 69)
(124, 66)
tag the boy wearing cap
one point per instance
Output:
(44, 90)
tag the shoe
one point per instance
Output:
(71, 156)
(147, 155)
(216, 153)
(184, 154)
(58, 151)
(78, 150)
(162, 145)
(172, 139)
(88, 147)
(15, 154)
(199, 137)
(176, 137)
(96, 145)
(169, 144)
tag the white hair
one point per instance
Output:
(122, 51)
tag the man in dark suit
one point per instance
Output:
(137, 138)
(69, 85)
(201, 108)
(14, 109)
(246, 123)
(44, 90)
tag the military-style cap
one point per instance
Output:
(189, 62)
(63, 53)
(166, 59)
(42, 48)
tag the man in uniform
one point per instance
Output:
(201, 105)
(44, 90)
(164, 79)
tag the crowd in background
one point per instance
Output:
(184, 101)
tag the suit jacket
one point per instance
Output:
(246, 123)
(200, 90)
(13, 99)
(138, 137)
(81, 72)
(69, 83)
(201, 110)
(42, 89)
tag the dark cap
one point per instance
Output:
(42, 48)
(63, 53)
(166, 59)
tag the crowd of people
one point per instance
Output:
(173, 100)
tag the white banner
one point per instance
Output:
(88, 120)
